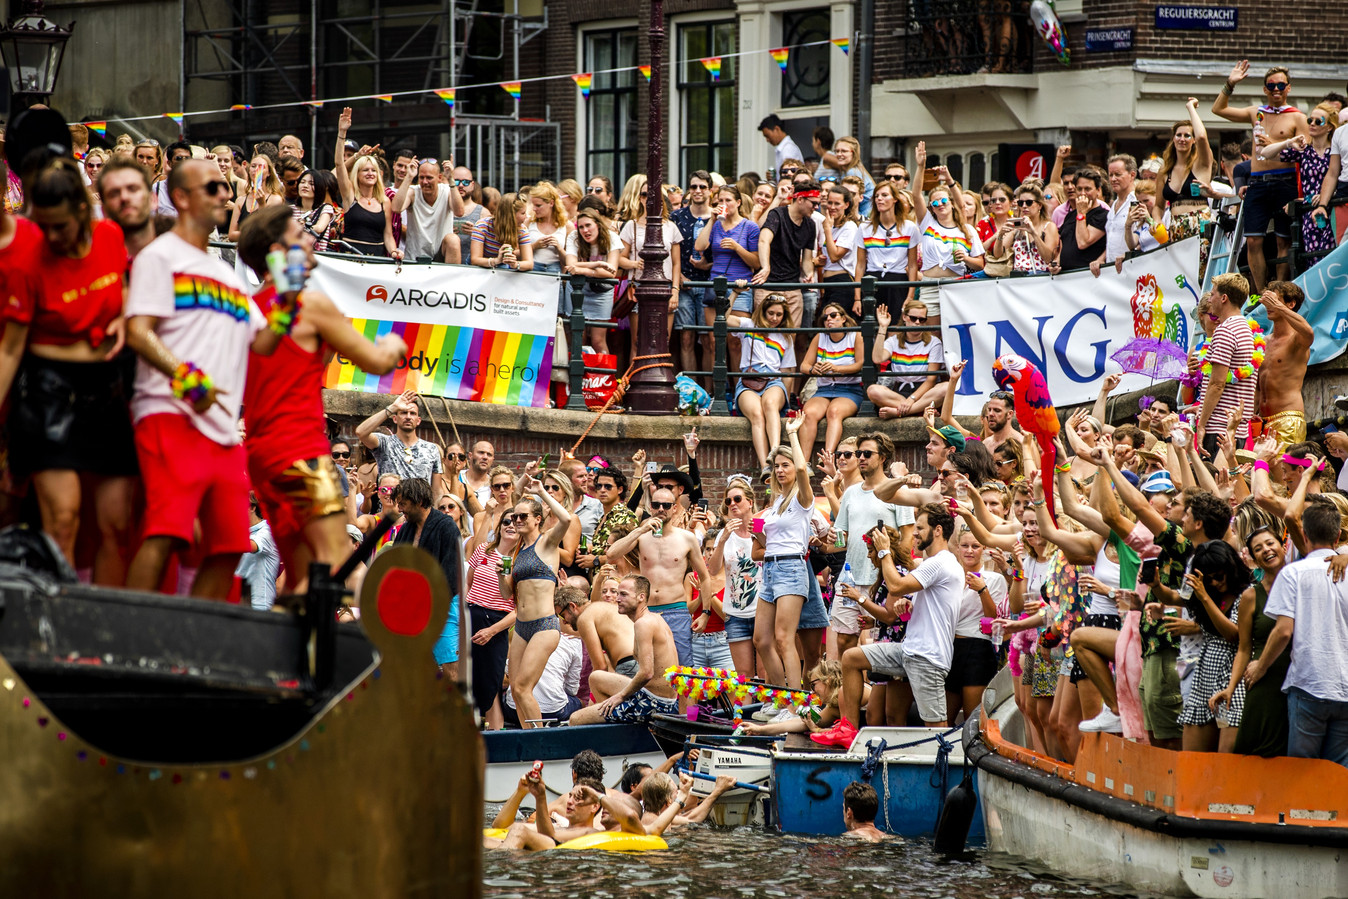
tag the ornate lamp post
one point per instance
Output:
(652, 391)
(32, 46)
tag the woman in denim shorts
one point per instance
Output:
(789, 595)
(733, 554)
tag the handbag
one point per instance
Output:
(624, 299)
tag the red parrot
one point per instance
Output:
(1034, 412)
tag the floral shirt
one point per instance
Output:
(1175, 550)
(603, 532)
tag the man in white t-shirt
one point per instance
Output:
(428, 216)
(1122, 176)
(859, 512)
(783, 146)
(923, 658)
(192, 322)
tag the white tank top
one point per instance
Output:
(1107, 573)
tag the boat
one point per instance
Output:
(750, 763)
(1158, 821)
(911, 768)
(511, 753)
(159, 745)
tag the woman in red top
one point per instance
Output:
(491, 616)
(70, 425)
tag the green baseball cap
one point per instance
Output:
(951, 435)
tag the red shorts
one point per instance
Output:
(296, 494)
(188, 477)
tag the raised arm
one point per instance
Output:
(1133, 498)
(344, 187)
(1080, 549)
(981, 532)
(919, 172)
(804, 493)
(948, 402)
(1102, 399)
(1222, 105)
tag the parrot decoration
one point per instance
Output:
(1034, 412)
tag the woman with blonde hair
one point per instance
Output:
(547, 230)
(835, 358)
(559, 487)
(1030, 234)
(632, 211)
(767, 354)
(501, 241)
(571, 193)
(1311, 158)
(367, 222)
(846, 158)
(733, 554)
(949, 245)
(914, 361)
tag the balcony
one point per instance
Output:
(992, 37)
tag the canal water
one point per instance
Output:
(706, 862)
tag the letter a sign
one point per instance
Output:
(1016, 162)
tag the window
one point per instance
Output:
(611, 111)
(805, 81)
(978, 175)
(706, 107)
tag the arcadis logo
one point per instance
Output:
(427, 299)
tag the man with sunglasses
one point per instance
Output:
(1273, 183)
(610, 487)
(192, 321)
(467, 218)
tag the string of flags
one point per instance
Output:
(584, 83)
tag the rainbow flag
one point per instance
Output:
(584, 80)
(645, 70)
(842, 44)
(99, 128)
(314, 103)
(387, 98)
(446, 94)
(779, 56)
(712, 64)
(463, 363)
(512, 88)
(176, 116)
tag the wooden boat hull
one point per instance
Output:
(1182, 824)
(807, 787)
(511, 753)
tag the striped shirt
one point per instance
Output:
(486, 591)
(909, 361)
(484, 232)
(766, 352)
(1232, 345)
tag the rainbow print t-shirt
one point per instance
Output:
(937, 244)
(840, 352)
(766, 351)
(887, 248)
(909, 361)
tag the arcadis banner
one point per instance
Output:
(471, 333)
(1069, 325)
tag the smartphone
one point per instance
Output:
(1148, 573)
(704, 504)
(652, 467)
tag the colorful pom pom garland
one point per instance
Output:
(190, 383)
(701, 684)
(1242, 372)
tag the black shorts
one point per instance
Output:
(73, 415)
(974, 664)
(1113, 622)
(1266, 201)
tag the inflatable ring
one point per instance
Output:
(496, 833)
(616, 842)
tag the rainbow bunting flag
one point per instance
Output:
(779, 56)
(512, 88)
(712, 64)
(387, 98)
(446, 94)
(176, 116)
(645, 70)
(99, 128)
(239, 106)
(842, 44)
(314, 103)
(583, 81)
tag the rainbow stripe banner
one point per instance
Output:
(471, 333)
(712, 64)
(512, 88)
(842, 43)
(584, 80)
(780, 55)
(446, 94)
(99, 128)
(646, 71)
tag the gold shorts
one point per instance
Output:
(1288, 427)
(302, 491)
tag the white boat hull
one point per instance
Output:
(736, 807)
(1031, 825)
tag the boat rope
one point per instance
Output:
(889, 828)
(940, 771)
(873, 755)
(621, 388)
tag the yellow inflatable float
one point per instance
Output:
(607, 840)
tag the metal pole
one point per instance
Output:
(313, 82)
(865, 53)
(652, 391)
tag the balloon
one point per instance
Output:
(1050, 29)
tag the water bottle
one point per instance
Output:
(996, 638)
(297, 261)
(846, 579)
(1186, 589)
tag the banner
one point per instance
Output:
(1326, 305)
(471, 333)
(1068, 325)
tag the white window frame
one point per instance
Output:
(674, 124)
(582, 103)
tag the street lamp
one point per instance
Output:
(32, 46)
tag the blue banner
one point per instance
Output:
(1326, 306)
(1197, 18)
(1098, 39)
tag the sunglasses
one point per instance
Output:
(1317, 121)
(341, 455)
(948, 472)
(788, 172)
(214, 187)
(599, 486)
(386, 491)
(731, 500)
(148, 142)
(916, 320)
(829, 179)
(998, 200)
(937, 204)
(1275, 86)
(898, 177)
(829, 315)
(1001, 395)
(1003, 461)
(1025, 204)
(501, 486)
(844, 454)
(463, 182)
(458, 457)
(552, 488)
(661, 507)
(595, 469)
(594, 190)
(519, 517)
(693, 187)
(863, 455)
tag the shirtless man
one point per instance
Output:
(1273, 183)
(660, 794)
(860, 804)
(645, 693)
(665, 560)
(606, 633)
(586, 799)
(1289, 350)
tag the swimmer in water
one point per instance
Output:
(860, 803)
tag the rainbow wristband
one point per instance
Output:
(1260, 465)
(190, 383)
(1016, 574)
(1063, 469)
(281, 320)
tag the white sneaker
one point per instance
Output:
(1104, 723)
(785, 714)
(765, 714)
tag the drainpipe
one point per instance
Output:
(864, 57)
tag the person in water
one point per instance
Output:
(860, 804)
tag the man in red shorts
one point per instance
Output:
(192, 322)
(289, 462)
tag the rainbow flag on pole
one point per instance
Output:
(584, 80)
(99, 128)
(713, 65)
(779, 56)
(387, 98)
(455, 362)
(645, 70)
(176, 116)
(842, 43)
(446, 94)
(512, 88)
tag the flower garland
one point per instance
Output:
(1241, 372)
(700, 684)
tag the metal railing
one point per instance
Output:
(982, 36)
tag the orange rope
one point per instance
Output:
(623, 383)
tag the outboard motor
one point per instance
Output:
(29, 548)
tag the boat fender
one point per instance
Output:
(616, 842)
(957, 815)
